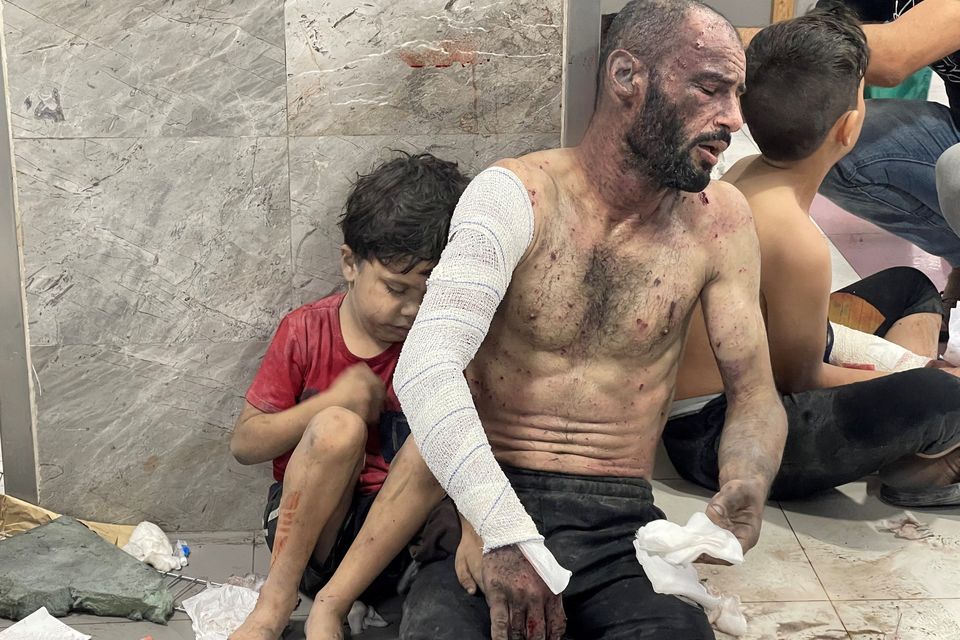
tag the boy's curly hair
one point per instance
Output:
(400, 212)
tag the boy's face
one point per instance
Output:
(385, 300)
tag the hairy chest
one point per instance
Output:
(580, 294)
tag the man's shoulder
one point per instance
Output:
(720, 208)
(537, 171)
(726, 195)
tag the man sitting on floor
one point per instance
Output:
(565, 292)
(885, 408)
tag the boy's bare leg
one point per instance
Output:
(317, 491)
(408, 496)
(919, 332)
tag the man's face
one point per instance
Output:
(691, 109)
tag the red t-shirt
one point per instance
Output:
(305, 357)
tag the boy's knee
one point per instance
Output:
(912, 280)
(337, 432)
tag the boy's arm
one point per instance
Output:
(755, 428)
(926, 33)
(259, 436)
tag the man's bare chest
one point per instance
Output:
(578, 295)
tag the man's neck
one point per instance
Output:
(626, 192)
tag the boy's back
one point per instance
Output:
(795, 278)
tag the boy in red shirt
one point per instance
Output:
(322, 405)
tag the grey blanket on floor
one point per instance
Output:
(65, 567)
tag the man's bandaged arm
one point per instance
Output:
(491, 230)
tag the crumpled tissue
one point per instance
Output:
(666, 552)
(41, 625)
(148, 543)
(363, 617)
(219, 611)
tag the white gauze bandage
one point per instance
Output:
(852, 348)
(490, 231)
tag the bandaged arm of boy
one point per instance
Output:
(490, 232)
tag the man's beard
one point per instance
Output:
(658, 146)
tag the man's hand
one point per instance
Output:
(469, 559)
(738, 508)
(362, 391)
(522, 607)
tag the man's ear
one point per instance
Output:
(625, 76)
(848, 128)
(349, 264)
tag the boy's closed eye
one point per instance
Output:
(396, 289)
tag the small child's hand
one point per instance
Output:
(469, 559)
(362, 391)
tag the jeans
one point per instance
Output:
(589, 524)
(890, 176)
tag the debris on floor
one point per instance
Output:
(219, 611)
(251, 581)
(906, 526)
(64, 566)
(40, 625)
(17, 516)
(149, 544)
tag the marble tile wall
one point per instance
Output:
(181, 167)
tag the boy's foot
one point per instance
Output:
(325, 621)
(267, 620)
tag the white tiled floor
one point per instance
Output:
(821, 570)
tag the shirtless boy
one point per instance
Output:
(804, 106)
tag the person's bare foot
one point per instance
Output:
(267, 620)
(325, 621)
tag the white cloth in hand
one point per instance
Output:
(666, 552)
